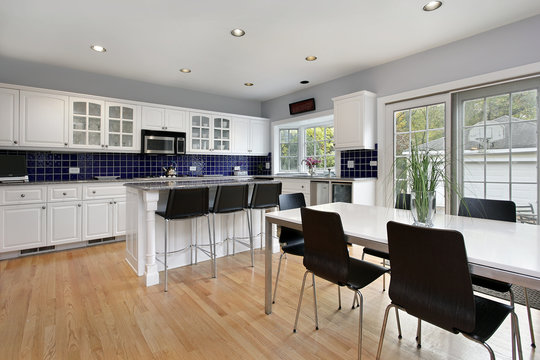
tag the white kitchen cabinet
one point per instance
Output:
(86, 120)
(291, 186)
(97, 219)
(209, 133)
(64, 222)
(22, 226)
(250, 136)
(119, 217)
(43, 120)
(122, 127)
(9, 117)
(154, 118)
(104, 210)
(354, 121)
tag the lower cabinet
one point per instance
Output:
(119, 217)
(22, 226)
(291, 186)
(64, 222)
(103, 218)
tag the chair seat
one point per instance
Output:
(362, 273)
(163, 214)
(377, 253)
(491, 284)
(489, 316)
(295, 247)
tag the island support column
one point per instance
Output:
(151, 271)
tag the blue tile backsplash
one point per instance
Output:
(54, 166)
(361, 159)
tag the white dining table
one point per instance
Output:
(504, 251)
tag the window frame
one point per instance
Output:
(315, 142)
(280, 143)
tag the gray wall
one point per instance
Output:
(20, 72)
(502, 48)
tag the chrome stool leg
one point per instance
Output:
(165, 246)
(212, 244)
(315, 302)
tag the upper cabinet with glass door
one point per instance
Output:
(86, 123)
(209, 133)
(122, 127)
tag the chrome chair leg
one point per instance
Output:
(277, 278)
(300, 300)
(339, 296)
(315, 302)
(212, 244)
(165, 246)
(381, 339)
(517, 336)
(531, 330)
(419, 334)
(361, 318)
(398, 324)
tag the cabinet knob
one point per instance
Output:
(22, 195)
(79, 205)
(102, 145)
(43, 207)
(65, 144)
(94, 191)
(111, 203)
(106, 146)
(64, 194)
(115, 202)
(15, 142)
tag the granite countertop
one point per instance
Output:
(192, 183)
(138, 180)
(315, 177)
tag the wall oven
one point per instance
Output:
(163, 142)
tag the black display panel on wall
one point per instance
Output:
(302, 106)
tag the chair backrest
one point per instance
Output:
(230, 198)
(403, 201)
(325, 245)
(430, 275)
(186, 203)
(291, 201)
(502, 210)
(265, 195)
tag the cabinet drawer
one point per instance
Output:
(13, 195)
(100, 191)
(294, 185)
(64, 192)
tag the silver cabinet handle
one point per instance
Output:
(22, 195)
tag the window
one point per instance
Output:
(319, 144)
(288, 145)
(499, 144)
(420, 125)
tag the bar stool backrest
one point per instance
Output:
(187, 203)
(230, 198)
(265, 195)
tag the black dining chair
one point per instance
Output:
(326, 256)
(431, 281)
(229, 199)
(291, 241)
(403, 202)
(185, 204)
(264, 196)
(502, 210)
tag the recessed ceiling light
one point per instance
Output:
(98, 48)
(304, 82)
(185, 70)
(248, 84)
(238, 32)
(432, 5)
(311, 58)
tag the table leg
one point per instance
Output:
(268, 270)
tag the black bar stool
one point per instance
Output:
(264, 196)
(185, 204)
(229, 199)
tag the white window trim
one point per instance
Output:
(384, 187)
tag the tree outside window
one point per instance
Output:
(288, 146)
(319, 144)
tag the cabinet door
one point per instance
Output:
(200, 132)
(64, 222)
(153, 118)
(86, 123)
(260, 137)
(22, 226)
(9, 117)
(43, 119)
(122, 127)
(97, 219)
(241, 135)
(354, 121)
(119, 223)
(175, 120)
(221, 134)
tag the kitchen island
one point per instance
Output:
(145, 231)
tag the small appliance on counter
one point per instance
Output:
(13, 169)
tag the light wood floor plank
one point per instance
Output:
(88, 304)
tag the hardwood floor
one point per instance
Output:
(88, 304)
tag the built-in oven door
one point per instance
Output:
(158, 144)
(180, 145)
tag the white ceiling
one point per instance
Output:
(150, 40)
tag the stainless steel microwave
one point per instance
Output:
(163, 142)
